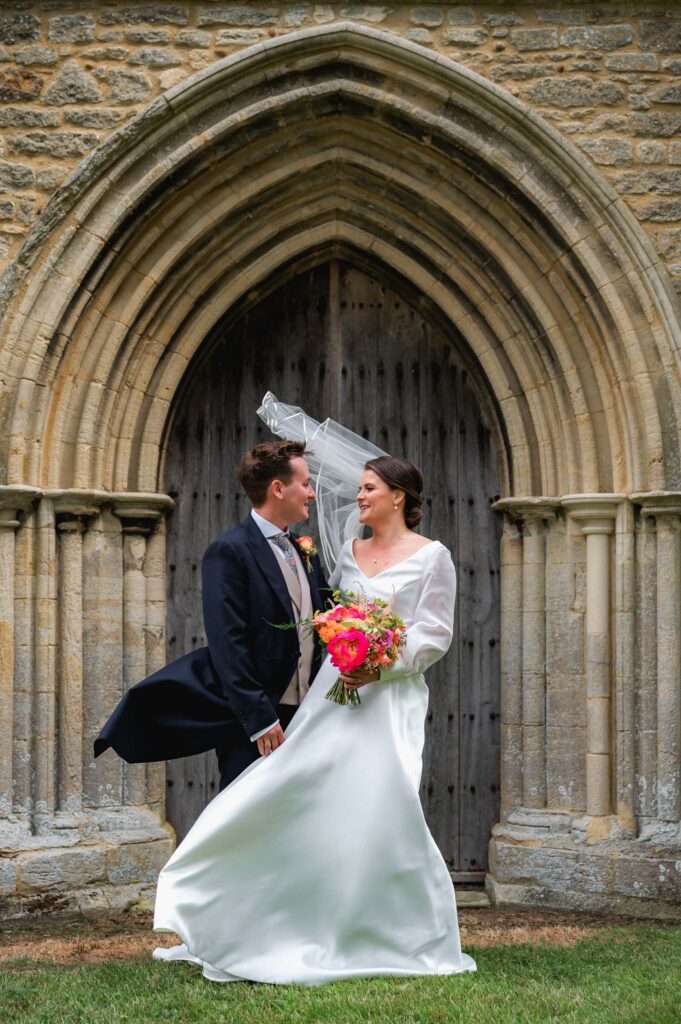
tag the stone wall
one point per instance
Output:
(607, 76)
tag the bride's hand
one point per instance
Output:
(360, 677)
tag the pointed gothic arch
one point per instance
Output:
(342, 134)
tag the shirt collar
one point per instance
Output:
(267, 528)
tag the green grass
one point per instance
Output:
(627, 975)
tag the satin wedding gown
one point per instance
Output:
(316, 863)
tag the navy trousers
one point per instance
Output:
(236, 755)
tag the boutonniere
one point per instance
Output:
(308, 550)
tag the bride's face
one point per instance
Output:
(376, 501)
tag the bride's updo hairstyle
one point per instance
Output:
(401, 474)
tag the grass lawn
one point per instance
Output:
(531, 968)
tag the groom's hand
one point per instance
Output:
(271, 740)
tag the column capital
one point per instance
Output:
(530, 509)
(15, 498)
(140, 512)
(125, 504)
(70, 522)
(594, 513)
(74, 502)
(658, 503)
(141, 505)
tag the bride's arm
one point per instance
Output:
(430, 634)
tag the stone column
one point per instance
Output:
(155, 575)
(138, 516)
(595, 515)
(13, 500)
(534, 660)
(8, 524)
(527, 638)
(646, 642)
(71, 515)
(102, 654)
(666, 508)
(63, 661)
(44, 731)
(624, 668)
(511, 666)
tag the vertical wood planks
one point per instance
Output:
(343, 343)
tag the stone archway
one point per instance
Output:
(345, 135)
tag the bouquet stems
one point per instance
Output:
(339, 695)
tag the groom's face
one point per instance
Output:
(297, 494)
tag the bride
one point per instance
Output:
(316, 863)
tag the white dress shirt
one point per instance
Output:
(268, 531)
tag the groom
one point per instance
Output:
(238, 694)
(253, 576)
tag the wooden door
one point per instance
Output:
(342, 343)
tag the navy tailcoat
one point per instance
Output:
(216, 694)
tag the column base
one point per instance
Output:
(562, 862)
(100, 861)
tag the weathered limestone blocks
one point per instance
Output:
(511, 668)
(102, 653)
(572, 65)
(137, 862)
(666, 510)
(70, 662)
(103, 873)
(73, 868)
(13, 502)
(612, 565)
(645, 751)
(530, 587)
(595, 515)
(138, 521)
(557, 869)
(624, 667)
(82, 615)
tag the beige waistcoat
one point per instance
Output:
(299, 590)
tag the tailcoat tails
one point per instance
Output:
(220, 693)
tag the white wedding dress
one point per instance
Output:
(316, 863)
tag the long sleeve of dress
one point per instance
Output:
(430, 634)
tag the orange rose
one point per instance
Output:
(331, 630)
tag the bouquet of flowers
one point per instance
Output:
(358, 633)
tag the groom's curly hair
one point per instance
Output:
(268, 461)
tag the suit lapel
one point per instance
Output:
(266, 560)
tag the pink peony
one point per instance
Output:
(348, 650)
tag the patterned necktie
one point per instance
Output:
(284, 544)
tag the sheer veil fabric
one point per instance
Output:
(336, 465)
(316, 864)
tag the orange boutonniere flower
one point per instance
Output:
(308, 550)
